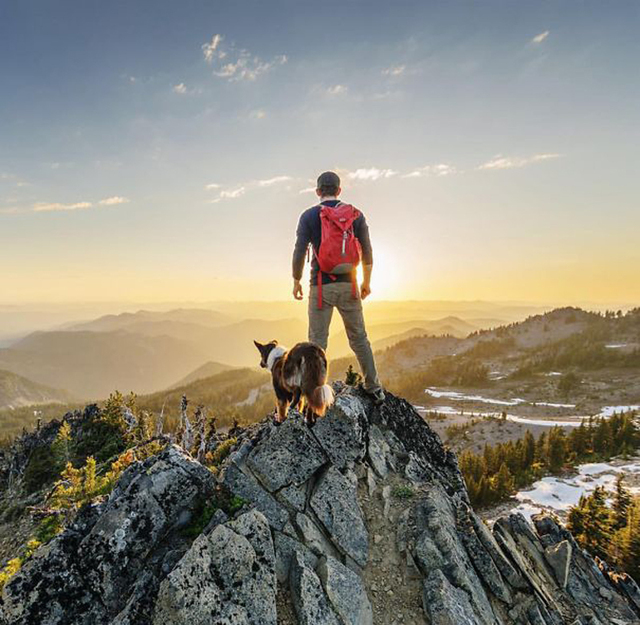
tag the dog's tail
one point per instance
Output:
(321, 398)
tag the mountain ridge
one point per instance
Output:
(364, 519)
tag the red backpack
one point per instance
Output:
(340, 250)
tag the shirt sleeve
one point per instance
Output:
(303, 238)
(361, 230)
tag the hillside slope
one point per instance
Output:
(91, 365)
(17, 391)
(206, 370)
(363, 520)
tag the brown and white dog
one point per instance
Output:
(300, 372)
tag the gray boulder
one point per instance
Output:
(346, 592)
(233, 571)
(88, 573)
(309, 600)
(446, 604)
(246, 486)
(291, 455)
(335, 503)
(342, 433)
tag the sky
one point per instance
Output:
(155, 150)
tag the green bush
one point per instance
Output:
(42, 469)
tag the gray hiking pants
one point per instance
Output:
(339, 295)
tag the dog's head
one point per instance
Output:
(265, 350)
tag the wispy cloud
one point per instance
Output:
(271, 181)
(505, 162)
(60, 207)
(13, 179)
(113, 200)
(395, 70)
(43, 207)
(336, 89)
(540, 37)
(239, 190)
(372, 174)
(442, 169)
(182, 89)
(258, 114)
(210, 49)
(237, 64)
(233, 193)
(307, 190)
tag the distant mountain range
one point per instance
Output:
(149, 351)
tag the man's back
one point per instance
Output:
(309, 232)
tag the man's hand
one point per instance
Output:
(365, 290)
(297, 290)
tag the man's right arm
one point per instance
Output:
(361, 230)
(303, 239)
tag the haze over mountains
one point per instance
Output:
(149, 351)
(17, 391)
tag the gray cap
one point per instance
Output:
(328, 179)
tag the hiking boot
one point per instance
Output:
(377, 395)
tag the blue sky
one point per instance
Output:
(161, 150)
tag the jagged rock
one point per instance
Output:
(109, 546)
(559, 557)
(507, 571)
(313, 537)
(247, 487)
(233, 570)
(438, 545)
(310, 602)
(377, 451)
(129, 560)
(445, 604)
(417, 471)
(291, 455)
(481, 557)
(286, 547)
(294, 496)
(342, 433)
(346, 592)
(335, 503)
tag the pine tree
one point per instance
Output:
(622, 500)
(529, 445)
(352, 377)
(627, 542)
(61, 445)
(596, 523)
(555, 451)
(502, 482)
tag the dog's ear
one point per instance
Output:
(274, 342)
(258, 345)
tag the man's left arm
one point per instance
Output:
(361, 230)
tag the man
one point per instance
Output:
(336, 290)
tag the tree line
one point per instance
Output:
(609, 532)
(495, 474)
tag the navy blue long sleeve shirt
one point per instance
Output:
(309, 232)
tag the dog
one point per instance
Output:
(298, 373)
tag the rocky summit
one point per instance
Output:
(363, 519)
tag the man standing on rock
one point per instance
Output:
(339, 238)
